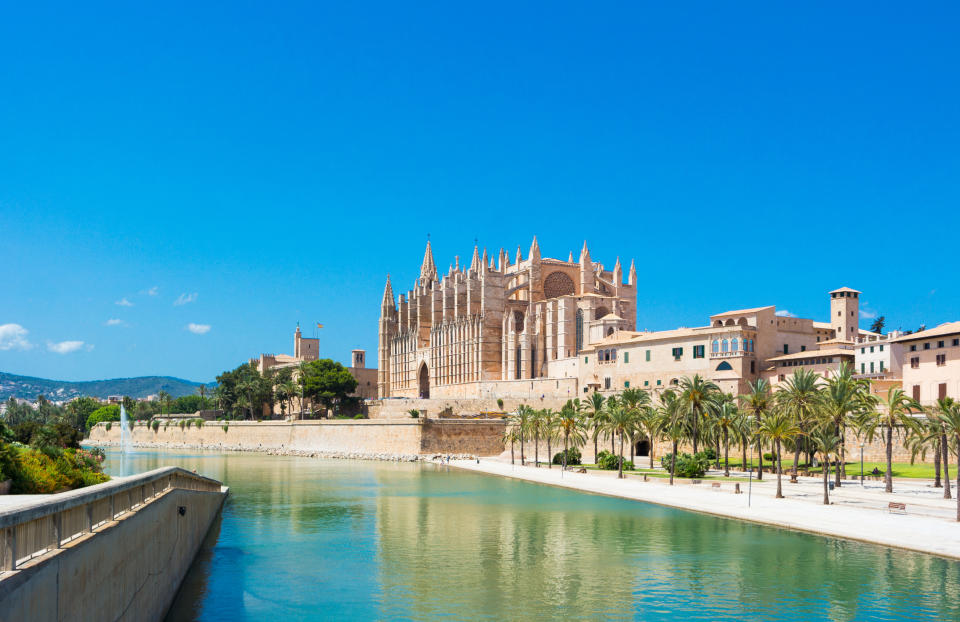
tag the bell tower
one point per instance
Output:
(845, 313)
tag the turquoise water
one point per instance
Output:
(308, 539)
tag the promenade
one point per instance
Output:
(856, 512)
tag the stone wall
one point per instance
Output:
(128, 570)
(399, 436)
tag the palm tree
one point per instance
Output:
(950, 418)
(649, 424)
(570, 425)
(635, 400)
(521, 419)
(619, 420)
(538, 425)
(778, 427)
(726, 420)
(594, 409)
(743, 431)
(164, 398)
(549, 429)
(801, 397)
(699, 397)
(510, 435)
(944, 404)
(894, 410)
(672, 425)
(827, 442)
(202, 391)
(757, 403)
(842, 396)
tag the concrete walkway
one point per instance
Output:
(857, 513)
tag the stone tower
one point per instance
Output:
(387, 332)
(845, 313)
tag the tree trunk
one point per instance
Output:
(523, 458)
(726, 453)
(633, 446)
(936, 465)
(843, 454)
(796, 459)
(651, 452)
(673, 462)
(717, 448)
(826, 493)
(888, 476)
(536, 449)
(566, 435)
(839, 457)
(512, 461)
(946, 467)
(958, 477)
(779, 470)
(595, 448)
(549, 454)
(694, 434)
(620, 474)
(759, 454)
(743, 462)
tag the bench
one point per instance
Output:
(897, 508)
(715, 486)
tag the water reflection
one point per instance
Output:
(311, 539)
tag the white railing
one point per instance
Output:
(35, 529)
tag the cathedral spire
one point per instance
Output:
(475, 262)
(570, 258)
(428, 269)
(519, 255)
(617, 273)
(485, 261)
(632, 275)
(535, 250)
(584, 253)
(502, 260)
(387, 298)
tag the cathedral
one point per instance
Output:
(478, 329)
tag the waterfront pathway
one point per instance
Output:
(857, 513)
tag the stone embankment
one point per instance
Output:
(304, 453)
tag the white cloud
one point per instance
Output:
(123, 302)
(184, 299)
(14, 337)
(153, 291)
(66, 347)
(198, 329)
(113, 322)
(867, 314)
(785, 313)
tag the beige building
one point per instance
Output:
(306, 349)
(931, 365)
(498, 327)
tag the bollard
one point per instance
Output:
(736, 489)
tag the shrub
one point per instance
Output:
(199, 423)
(183, 424)
(611, 462)
(687, 465)
(155, 425)
(573, 456)
(710, 453)
(769, 457)
(414, 413)
(109, 425)
(35, 472)
(359, 416)
(225, 427)
(500, 406)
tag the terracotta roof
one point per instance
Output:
(742, 311)
(809, 354)
(949, 328)
(845, 289)
(826, 325)
(612, 316)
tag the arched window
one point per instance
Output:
(579, 329)
(751, 345)
(715, 347)
(725, 347)
(734, 344)
(724, 366)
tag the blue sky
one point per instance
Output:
(272, 162)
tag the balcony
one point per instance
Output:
(730, 355)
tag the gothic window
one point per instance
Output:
(724, 366)
(715, 347)
(725, 346)
(734, 344)
(579, 334)
(518, 321)
(558, 284)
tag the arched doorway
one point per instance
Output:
(424, 381)
(642, 448)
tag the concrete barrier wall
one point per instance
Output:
(130, 569)
(400, 436)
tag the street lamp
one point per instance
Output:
(861, 465)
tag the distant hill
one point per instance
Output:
(27, 387)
